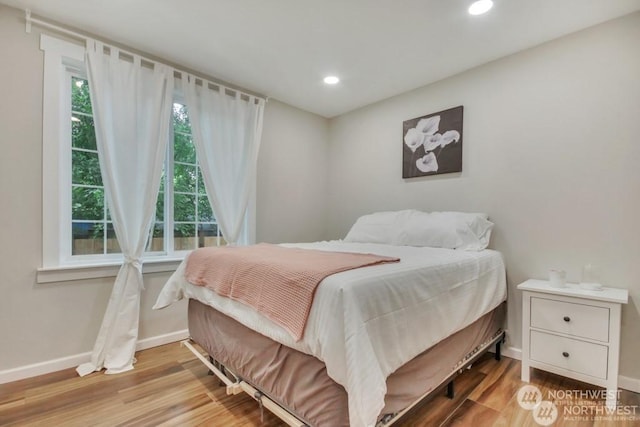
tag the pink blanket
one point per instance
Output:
(277, 281)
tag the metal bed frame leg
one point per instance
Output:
(450, 391)
(215, 363)
(498, 355)
(212, 361)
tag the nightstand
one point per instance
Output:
(572, 332)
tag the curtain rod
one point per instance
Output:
(205, 82)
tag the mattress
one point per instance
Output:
(366, 323)
(299, 382)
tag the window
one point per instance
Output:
(194, 224)
(91, 227)
(77, 229)
(186, 210)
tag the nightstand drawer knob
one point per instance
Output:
(567, 318)
(565, 354)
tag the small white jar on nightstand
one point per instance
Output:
(572, 332)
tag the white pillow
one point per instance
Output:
(452, 230)
(478, 223)
(379, 227)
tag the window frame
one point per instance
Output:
(170, 163)
(62, 59)
(66, 184)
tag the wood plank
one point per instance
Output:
(435, 411)
(499, 385)
(471, 413)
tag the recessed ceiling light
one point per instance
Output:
(331, 80)
(480, 7)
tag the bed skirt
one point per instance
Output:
(299, 382)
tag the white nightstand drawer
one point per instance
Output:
(570, 354)
(580, 320)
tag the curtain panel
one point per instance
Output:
(226, 132)
(132, 114)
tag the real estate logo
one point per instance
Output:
(545, 413)
(530, 398)
(576, 405)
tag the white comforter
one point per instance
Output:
(366, 323)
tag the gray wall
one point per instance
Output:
(292, 176)
(41, 322)
(551, 153)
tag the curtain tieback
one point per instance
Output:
(135, 262)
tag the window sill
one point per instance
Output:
(93, 271)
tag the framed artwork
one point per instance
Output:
(432, 144)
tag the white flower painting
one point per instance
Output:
(433, 144)
(428, 163)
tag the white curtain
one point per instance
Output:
(132, 113)
(226, 132)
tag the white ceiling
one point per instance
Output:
(283, 48)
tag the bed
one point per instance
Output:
(378, 338)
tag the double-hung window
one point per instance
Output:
(193, 223)
(90, 226)
(183, 211)
(77, 227)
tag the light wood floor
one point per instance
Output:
(170, 387)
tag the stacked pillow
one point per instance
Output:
(452, 230)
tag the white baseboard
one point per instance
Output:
(54, 365)
(512, 352)
(628, 383)
(159, 340)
